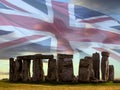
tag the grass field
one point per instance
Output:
(5, 85)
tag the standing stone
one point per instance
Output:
(84, 71)
(26, 70)
(38, 74)
(105, 66)
(111, 73)
(89, 59)
(11, 69)
(18, 70)
(65, 68)
(60, 66)
(52, 70)
(96, 65)
(67, 72)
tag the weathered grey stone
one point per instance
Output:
(52, 70)
(38, 73)
(25, 57)
(105, 66)
(65, 68)
(89, 59)
(26, 70)
(116, 81)
(111, 73)
(18, 70)
(21, 70)
(60, 61)
(96, 65)
(40, 56)
(67, 72)
(36, 56)
(11, 69)
(84, 72)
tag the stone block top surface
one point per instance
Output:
(105, 53)
(64, 55)
(36, 56)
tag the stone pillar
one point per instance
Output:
(52, 70)
(11, 69)
(84, 71)
(96, 65)
(111, 73)
(67, 72)
(105, 66)
(26, 70)
(18, 70)
(60, 66)
(65, 68)
(38, 74)
(89, 59)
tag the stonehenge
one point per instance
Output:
(52, 70)
(38, 74)
(18, 70)
(96, 65)
(11, 69)
(65, 68)
(84, 71)
(111, 73)
(105, 66)
(60, 69)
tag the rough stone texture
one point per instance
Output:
(96, 65)
(38, 74)
(116, 81)
(36, 56)
(89, 59)
(105, 66)
(52, 70)
(11, 69)
(40, 56)
(67, 72)
(18, 70)
(65, 68)
(60, 67)
(111, 73)
(26, 70)
(84, 72)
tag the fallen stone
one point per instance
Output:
(116, 81)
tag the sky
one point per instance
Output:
(4, 64)
(109, 7)
(63, 0)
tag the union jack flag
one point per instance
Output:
(51, 26)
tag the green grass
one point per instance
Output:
(6, 85)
